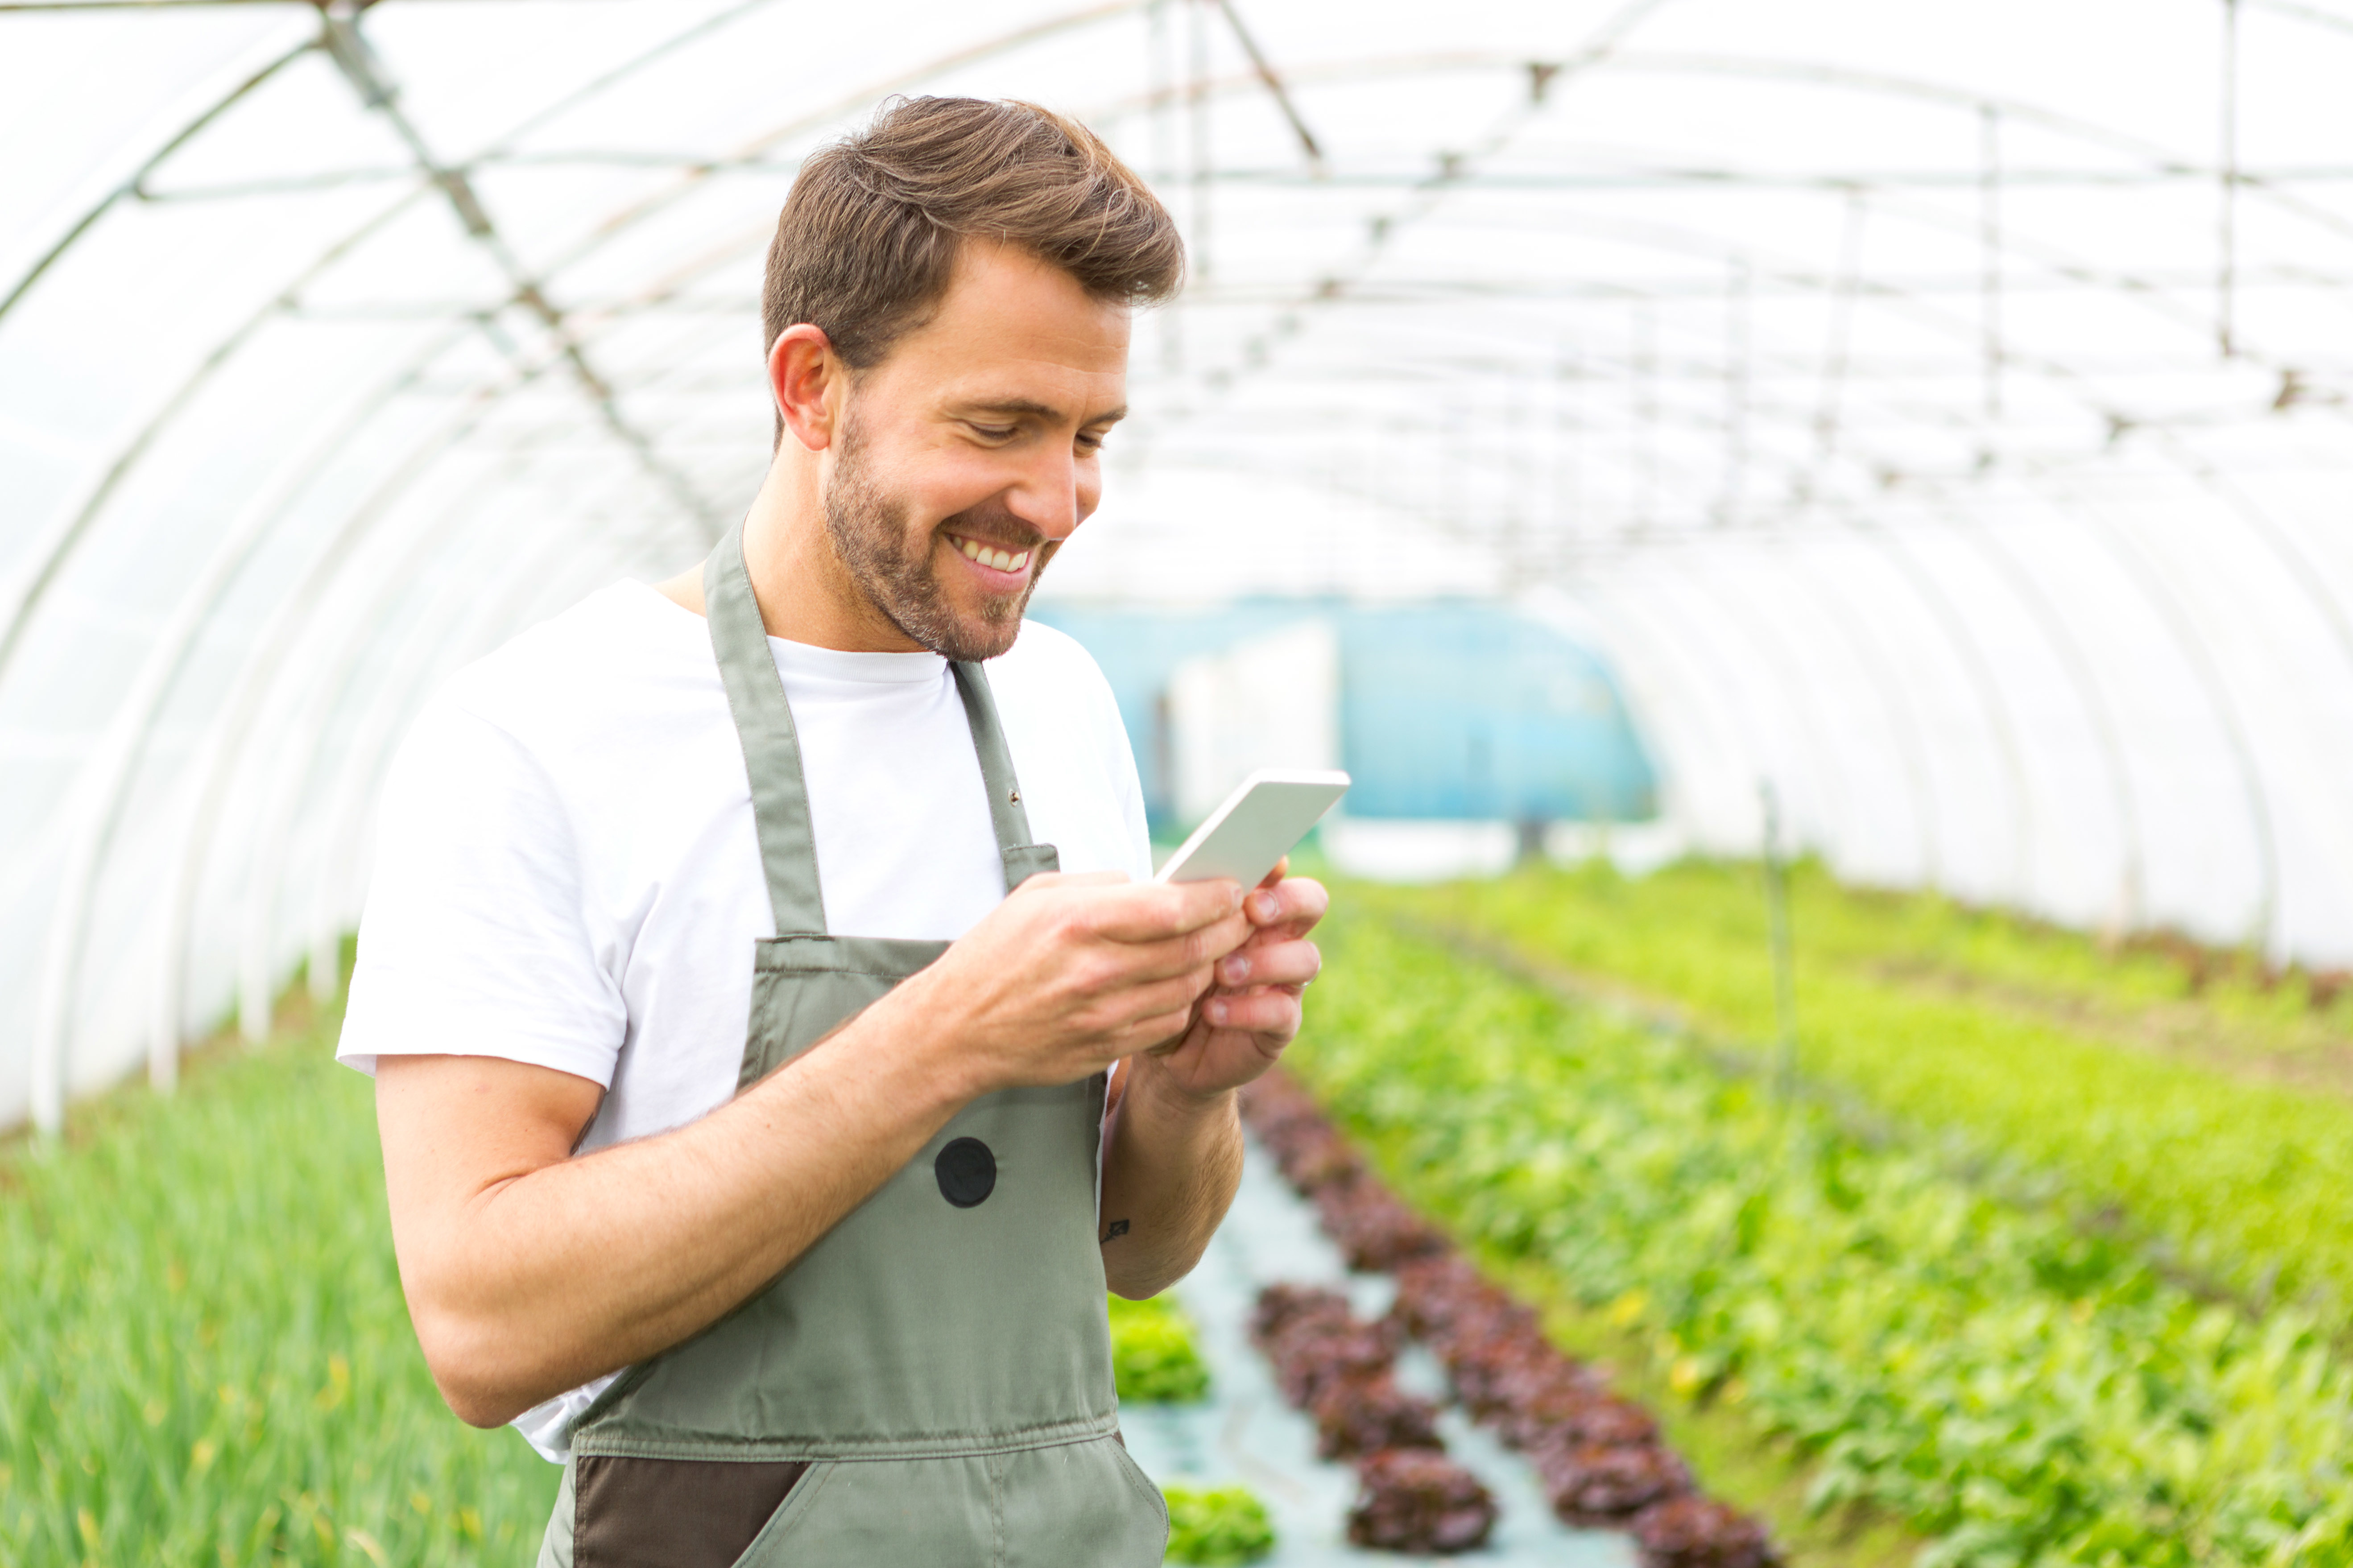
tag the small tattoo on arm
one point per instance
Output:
(1118, 1228)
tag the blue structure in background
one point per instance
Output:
(1455, 711)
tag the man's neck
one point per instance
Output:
(804, 592)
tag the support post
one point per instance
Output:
(1777, 918)
(2227, 235)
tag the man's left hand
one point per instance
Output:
(1242, 1023)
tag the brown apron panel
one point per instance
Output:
(673, 1513)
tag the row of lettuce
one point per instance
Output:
(2017, 1386)
(2195, 1103)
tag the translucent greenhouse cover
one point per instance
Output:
(1939, 411)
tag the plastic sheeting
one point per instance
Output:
(1940, 411)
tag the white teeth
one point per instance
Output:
(1003, 559)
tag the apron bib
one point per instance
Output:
(930, 1384)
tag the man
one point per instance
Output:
(827, 1287)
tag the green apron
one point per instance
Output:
(930, 1384)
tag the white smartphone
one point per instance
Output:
(1259, 824)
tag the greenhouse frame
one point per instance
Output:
(1935, 414)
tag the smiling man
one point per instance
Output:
(779, 1043)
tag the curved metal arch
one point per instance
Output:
(306, 732)
(1896, 712)
(2179, 629)
(1768, 634)
(297, 740)
(116, 190)
(1826, 778)
(104, 782)
(2081, 674)
(1972, 102)
(1992, 697)
(228, 742)
(21, 599)
(303, 746)
(1333, 288)
(1699, 700)
(416, 672)
(1771, 749)
(2308, 581)
(117, 761)
(213, 765)
(67, 932)
(2148, 576)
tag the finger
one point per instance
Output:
(1161, 1034)
(1295, 904)
(1141, 963)
(1261, 962)
(1154, 911)
(1272, 1013)
(1161, 997)
(1282, 869)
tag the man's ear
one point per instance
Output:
(806, 378)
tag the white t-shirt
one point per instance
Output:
(566, 872)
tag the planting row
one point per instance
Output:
(1599, 1457)
(2103, 1080)
(185, 1388)
(2003, 1381)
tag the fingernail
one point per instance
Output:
(1216, 1011)
(1236, 968)
(1263, 906)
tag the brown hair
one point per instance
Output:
(868, 239)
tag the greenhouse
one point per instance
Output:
(1818, 530)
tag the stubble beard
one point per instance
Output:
(868, 530)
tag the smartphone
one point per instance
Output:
(1259, 824)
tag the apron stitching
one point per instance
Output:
(997, 1510)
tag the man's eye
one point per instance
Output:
(1090, 443)
(994, 432)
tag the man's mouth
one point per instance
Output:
(991, 556)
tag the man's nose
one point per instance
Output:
(1045, 495)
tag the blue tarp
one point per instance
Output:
(1454, 709)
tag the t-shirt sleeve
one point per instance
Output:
(477, 939)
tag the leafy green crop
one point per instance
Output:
(1152, 1352)
(2025, 1392)
(207, 1357)
(1217, 1525)
(2098, 1073)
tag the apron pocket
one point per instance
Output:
(1075, 1505)
(674, 1513)
(1082, 1505)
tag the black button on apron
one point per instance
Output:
(968, 1172)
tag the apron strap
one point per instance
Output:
(772, 747)
(772, 750)
(1022, 858)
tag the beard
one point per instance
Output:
(869, 529)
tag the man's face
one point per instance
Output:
(973, 449)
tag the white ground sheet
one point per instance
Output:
(1244, 1432)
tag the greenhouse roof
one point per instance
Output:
(1938, 411)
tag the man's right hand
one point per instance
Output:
(1066, 977)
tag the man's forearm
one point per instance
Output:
(1171, 1163)
(565, 1272)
